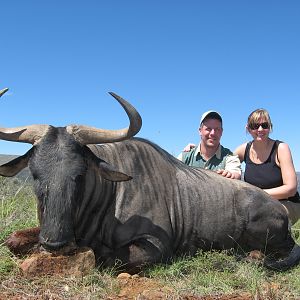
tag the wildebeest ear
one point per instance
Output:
(110, 173)
(16, 165)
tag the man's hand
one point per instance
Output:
(189, 147)
(226, 174)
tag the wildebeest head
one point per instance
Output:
(58, 161)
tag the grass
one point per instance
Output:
(215, 273)
(208, 273)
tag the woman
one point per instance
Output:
(269, 164)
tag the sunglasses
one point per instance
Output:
(264, 125)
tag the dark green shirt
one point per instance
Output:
(222, 160)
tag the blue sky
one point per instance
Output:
(172, 60)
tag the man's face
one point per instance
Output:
(211, 132)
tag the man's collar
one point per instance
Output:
(218, 152)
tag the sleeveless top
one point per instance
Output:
(266, 175)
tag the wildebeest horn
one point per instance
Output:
(3, 91)
(90, 135)
(84, 134)
(26, 134)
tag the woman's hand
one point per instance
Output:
(189, 147)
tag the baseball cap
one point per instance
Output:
(211, 114)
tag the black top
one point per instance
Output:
(266, 175)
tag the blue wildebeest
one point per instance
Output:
(129, 200)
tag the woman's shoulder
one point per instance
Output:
(283, 151)
(282, 146)
(241, 148)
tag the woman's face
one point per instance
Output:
(259, 130)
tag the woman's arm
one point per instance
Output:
(240, 151)
(289, 177)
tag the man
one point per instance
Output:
(210, 154)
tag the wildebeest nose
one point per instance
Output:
(64, 247)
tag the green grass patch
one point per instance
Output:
(17, 206)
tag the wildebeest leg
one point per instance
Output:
(134, 257)
(268, 231)
(22, 242)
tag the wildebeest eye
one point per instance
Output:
(34, 175)
(78, 178)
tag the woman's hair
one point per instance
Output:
(259, 115)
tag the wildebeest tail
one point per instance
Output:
(284, 264)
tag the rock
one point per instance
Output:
(124, 276)
(152, 295)
(23, 242)
(256, 254)
(44, 263)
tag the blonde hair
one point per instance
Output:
(257, 115)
